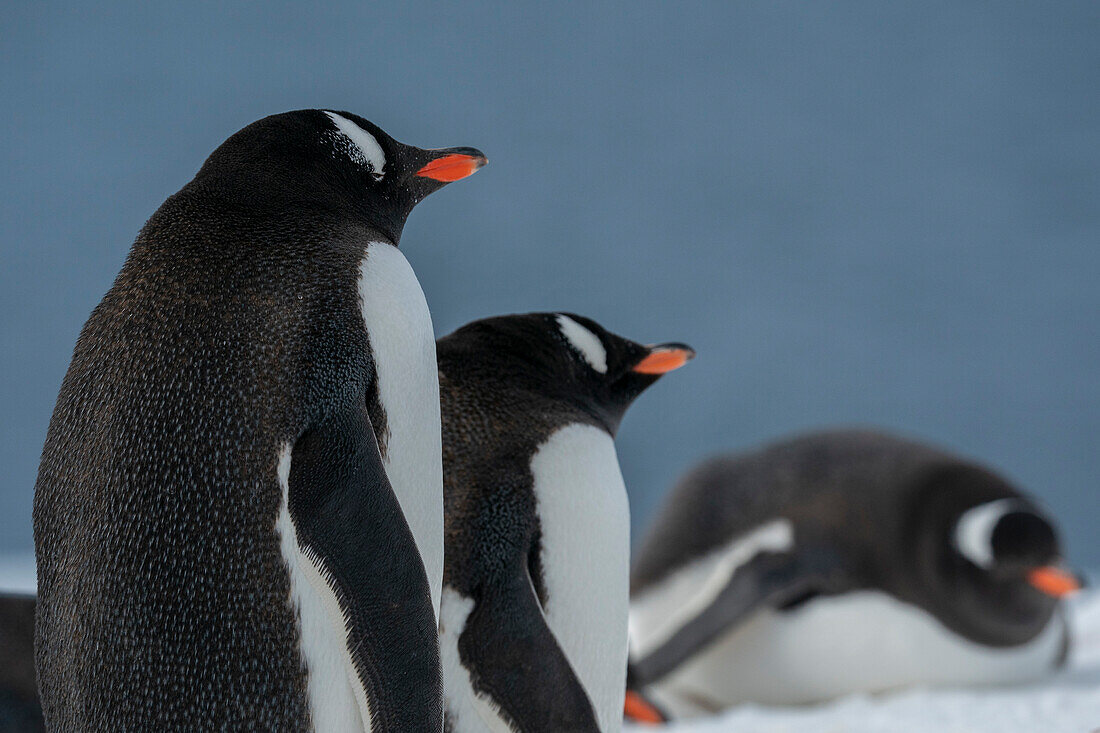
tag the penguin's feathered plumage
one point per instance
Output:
(834, 525)
(215, 529)
(533, 626)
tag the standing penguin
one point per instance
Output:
(535, 599)
(238, 513)
(838, 562)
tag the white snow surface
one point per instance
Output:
(1066, 702)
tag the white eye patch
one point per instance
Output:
(586, 343)
(974, 530)
(358, 144)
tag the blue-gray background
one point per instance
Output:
(861, 213)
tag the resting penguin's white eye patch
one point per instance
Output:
(974, 530)
(585, 342)
(360, 145)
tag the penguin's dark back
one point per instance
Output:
(157, 495)
(856, 479)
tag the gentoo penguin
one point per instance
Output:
(19, 708)
(837, 562)
(535, 596)
(238, 513)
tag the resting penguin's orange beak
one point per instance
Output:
(639, 710)
(1053, 580)
(664, 358)
(453, 167)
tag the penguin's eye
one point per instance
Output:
(974, 530)
(354, 142)
(584, 342)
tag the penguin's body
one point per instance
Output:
(535, 598)
(234, 514)
(839, 562)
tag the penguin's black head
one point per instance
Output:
(567, 357)
(334, 161)
(990, 557)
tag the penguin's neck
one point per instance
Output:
(402, 343)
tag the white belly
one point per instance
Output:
(865, 641)
(400, 330)
(585, 522)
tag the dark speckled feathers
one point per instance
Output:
(234, 333)
(156, 496)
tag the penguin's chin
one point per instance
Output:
(630, 386)
(607, 419)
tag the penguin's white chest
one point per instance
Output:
(402, 343)
(585, 554)
(864, 641)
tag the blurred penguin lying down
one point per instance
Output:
(840, 562)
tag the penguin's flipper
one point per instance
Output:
(349, 521)
(510, 652)
(768, 580)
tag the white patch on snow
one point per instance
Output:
(399, 327)
(585, 521)
(337, 699)
(661, 610)
(974, 530)
(365, 149)
(585, 342)
(467, 710)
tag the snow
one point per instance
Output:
(1067, 702)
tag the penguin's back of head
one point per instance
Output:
(562, 366)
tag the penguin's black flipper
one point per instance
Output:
(511, 652)
(346, 514)
(770, 579)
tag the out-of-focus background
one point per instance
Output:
(858, 213)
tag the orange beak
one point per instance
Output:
(640, 711)
(1053, 581)
(664, 358)
(453, 167)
